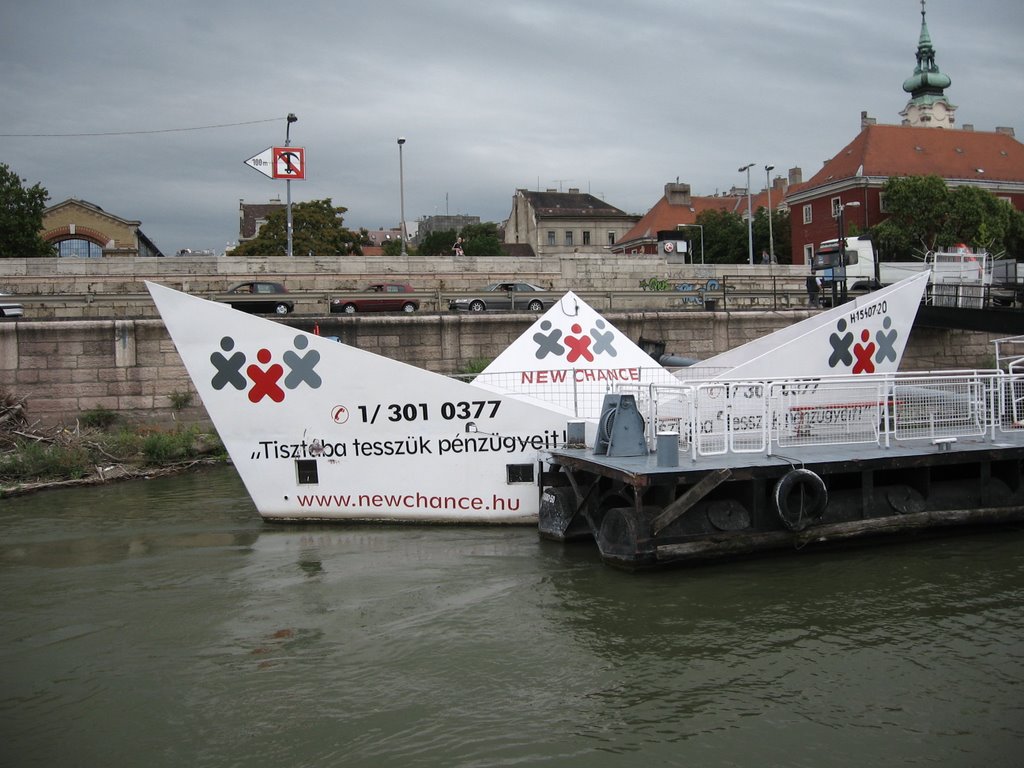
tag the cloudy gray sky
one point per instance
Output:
(615, 98)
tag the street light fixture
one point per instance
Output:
(750, 217)
(401, 191)
(771, 240)
(841, 243)
(288, 182)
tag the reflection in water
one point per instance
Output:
(162, 623)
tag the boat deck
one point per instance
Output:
(724, 468)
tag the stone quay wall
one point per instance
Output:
(64, 369)
(75, 289)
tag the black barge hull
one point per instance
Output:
(643, 515)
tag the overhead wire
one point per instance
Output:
(134, 133)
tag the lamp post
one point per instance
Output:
(288, 182)
(401, 190)
(841, 242)
(701, 228)
(750, 217)
(768, 184)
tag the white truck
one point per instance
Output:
(863, 272)
(960, 277)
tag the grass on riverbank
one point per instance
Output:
(97, 449)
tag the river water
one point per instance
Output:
(161, 623)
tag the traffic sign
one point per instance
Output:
(289, 163)
(280, 162)
(263, 162)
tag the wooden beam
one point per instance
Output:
(698, 491)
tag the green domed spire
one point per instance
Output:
(927, 80)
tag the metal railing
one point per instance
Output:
(721, 417)
(716, 418)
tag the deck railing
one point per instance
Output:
(718, 417)
(721, 417)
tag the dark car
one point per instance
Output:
(391, 297)
(259, 297)
(509, 295)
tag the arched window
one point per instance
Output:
(77, 248)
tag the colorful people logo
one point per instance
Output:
(576, 346)
(264, 375)
(865, 355)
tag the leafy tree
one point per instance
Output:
(481, 239)
(437, 243)
(780, 231)
(926, 215)
(394, 247)
(978, 218)
(725, 237)
(317, 228)
(21, 217)
(478, 240)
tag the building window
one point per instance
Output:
(78, 249)
(809, 254)
(568, 237)
(586, 237)
(611, 238)
(881, 202)
(807, 214)
(836, 202)
(551, 237)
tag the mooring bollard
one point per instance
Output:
(668, 449)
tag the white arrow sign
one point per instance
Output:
(263, 162)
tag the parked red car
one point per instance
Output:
(391, 297)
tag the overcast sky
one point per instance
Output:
(615, 98)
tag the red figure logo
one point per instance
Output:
(579, 346)
(264, 382)
(863, 353)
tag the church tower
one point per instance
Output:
(928, 106)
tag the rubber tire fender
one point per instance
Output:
(800, 498)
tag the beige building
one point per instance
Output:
(553, 223)
(81, 229)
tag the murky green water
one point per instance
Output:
(161, 623)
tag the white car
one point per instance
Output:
(9, 308)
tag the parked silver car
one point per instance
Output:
(508, 295)
(10, 308)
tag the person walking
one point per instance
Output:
(813, 290)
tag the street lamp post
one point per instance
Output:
(701, 228)
(401, 190)
(771, 240)
(841, 242)
(288, 182)
(750, 217)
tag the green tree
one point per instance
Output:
(916, 207)
(317, 228)
(926, 215)
(725, 237)
(978, 218)
(437, 243)
(394, 247)
(481, 239)
(780, 231)
(21, 217)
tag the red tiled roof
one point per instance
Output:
(664, 215)
(898, 150)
